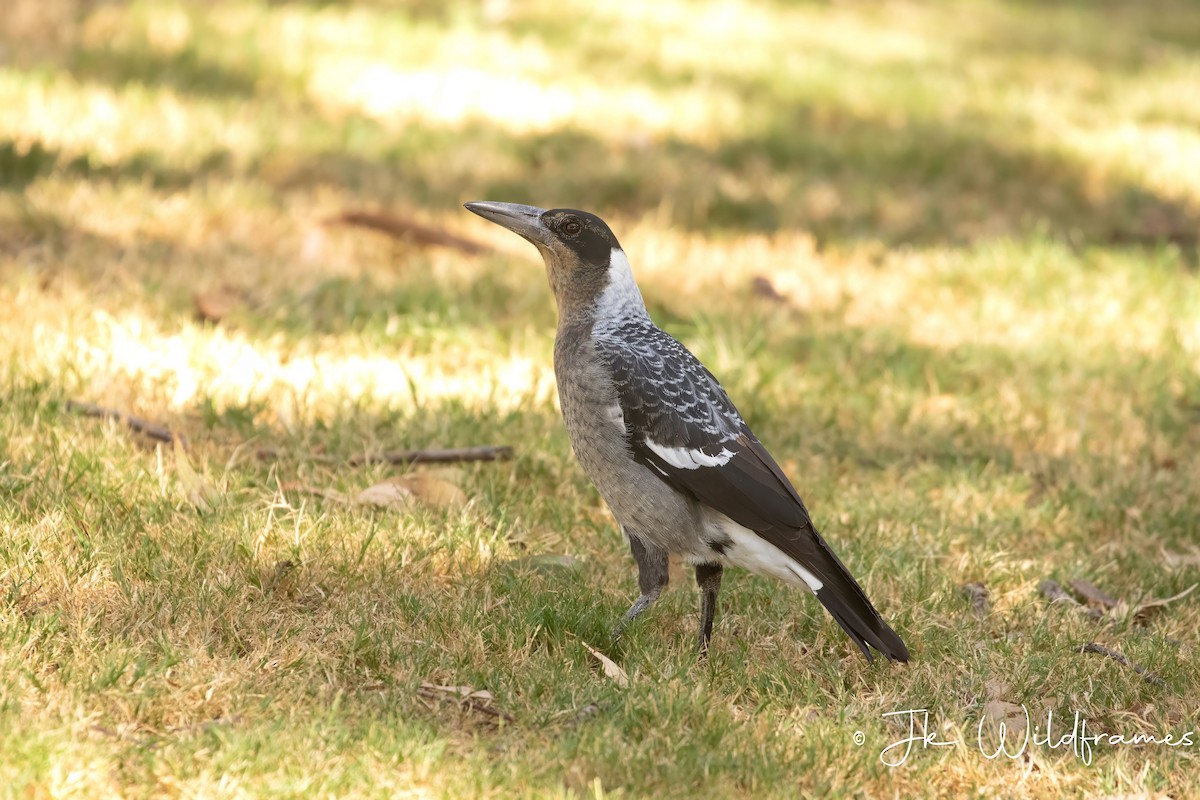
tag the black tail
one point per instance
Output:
(848, 604)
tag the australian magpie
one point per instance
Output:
(679, 467)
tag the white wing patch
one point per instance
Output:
(685, 458)
(751, 551)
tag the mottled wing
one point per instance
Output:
(682, 425)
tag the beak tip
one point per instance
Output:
(525, 221)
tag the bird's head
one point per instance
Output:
(583, 258)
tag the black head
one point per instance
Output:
(559, 232)
(586, 234)
(577, 247)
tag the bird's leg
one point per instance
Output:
(708, 578)
(653, 575)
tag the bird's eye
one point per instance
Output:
(572, 227)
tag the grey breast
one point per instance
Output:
(586, 393)
(642, 504)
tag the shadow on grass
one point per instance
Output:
(21, 164)
(489, 303)
(188, 70)
(812, 160)
(1127, 37)
(852, 181)
(836, 423)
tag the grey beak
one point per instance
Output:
(525, 221)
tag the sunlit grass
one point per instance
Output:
(978, 355)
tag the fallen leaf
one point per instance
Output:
(762, 286)
(1005, 717)
(387, 494)
(1180, 560)
(610, 667)
(1000, 710)
(995, 688)
(437, 491)
(480, 700)
(430, 490)
(1092, 595)
(215, 305)
(200, 493)
(1052, 590)
(978, 594)
(1152, 607)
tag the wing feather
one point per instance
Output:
(681, 424)
(671, 402)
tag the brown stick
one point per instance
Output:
(434, 456)
(137, 424)
(1099, 649)
(1175, 237)
(448, 456)
(404, 228)
(273, 454)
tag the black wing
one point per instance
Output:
(672, 404)
(683, 426)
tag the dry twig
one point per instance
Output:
(450, 455)
(1099, 649)
(404, 228)
(155, 431)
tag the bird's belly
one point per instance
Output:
(642, 504)
(741, 547)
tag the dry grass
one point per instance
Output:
(979, 356)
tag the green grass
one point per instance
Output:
(985, 367)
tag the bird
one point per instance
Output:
(660, 439)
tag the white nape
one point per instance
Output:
(621, 299)
(752, 552)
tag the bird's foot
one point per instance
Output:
(639, 605)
